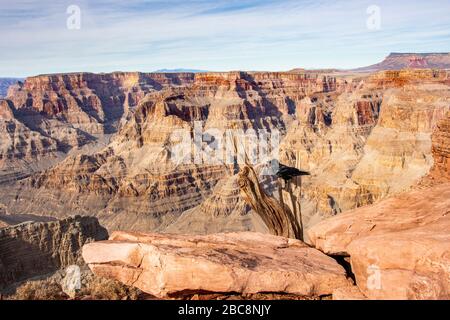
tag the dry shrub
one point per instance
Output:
(98, 288)
(39, 290)
(93, 288)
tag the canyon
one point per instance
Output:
(130, 182)
(102, 146)
(38, 248)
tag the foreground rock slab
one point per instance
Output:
(33, 249)
(398, 248)
(246, 263)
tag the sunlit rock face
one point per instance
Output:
(132, 182)
(413, 225)
(367, 144)
(51, 116)
(440, 171)
(91, 102)
(398, 61)
(399, 248)
(243, 263)
(111, 138)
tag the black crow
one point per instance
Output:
(287, 173)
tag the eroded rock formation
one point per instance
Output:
(277, 216)
(133, 183)
(89, 101)
(440, 172)
(397, 61)
(362, 137)
(37, 248)
(364, 145)
(102, 145)
(51, 116)
(243, 263)
(399, 248)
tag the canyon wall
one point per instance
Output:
(47, 117)
(30, 249)
(367, 144)
(441, 151)
(362, 138)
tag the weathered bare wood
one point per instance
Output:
(291, 195)
(277, 216)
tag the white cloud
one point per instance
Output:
(224, 35)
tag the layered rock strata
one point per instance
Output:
(243, 263)
(368, 144)
(362, 138)
(399, 248)
(137, 171)
(440, 172)
(397, 61)
(36, 248)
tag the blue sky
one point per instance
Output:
(221, 35)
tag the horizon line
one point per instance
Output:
(173, 70)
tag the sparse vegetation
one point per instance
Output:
(93, 288)
(98, 288)
(48, 289)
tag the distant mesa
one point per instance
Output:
(180, 71)
(394, 61)
(302, 70)
(397, 61)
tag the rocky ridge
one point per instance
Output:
(363, 140)
(440, 172)
(70, 113)
(242, 263)
(366, 144)
(134, 170)
(397, 61)
(413, 226)
(36, 248)
(354, 135)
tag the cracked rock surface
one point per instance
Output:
(399, 248)
(244, 263)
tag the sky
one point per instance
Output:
(39, 37)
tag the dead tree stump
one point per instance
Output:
(277, 216)
(290, 195)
